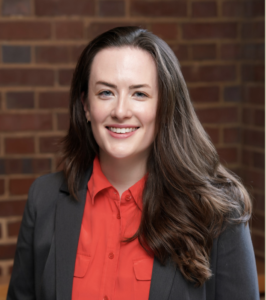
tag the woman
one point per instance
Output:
(143, 209)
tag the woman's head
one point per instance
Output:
(173, 106)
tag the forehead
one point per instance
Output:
(124, 64)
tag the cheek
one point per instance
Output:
(97, 114)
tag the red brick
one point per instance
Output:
(18, 100)
(166, 31)
(180, 51)
(24, 145)
(18, 7)
(25, 165)
(65, 76)
(52, 54)
(232, 135)
(213, 133)
(233, 9)
(253, 51)
(7, 251)
(25, 30)
(49, 144)
(231, 51)
(54, 100)
(204, 51)
(226, 30)
(253, 73)
(204, 94)
(2, 186)
(258, 242)
(65, 30)
(96, 28)
(228, 155)
(159, 8)
(12, 208)
(255, 8)
(253, 30)
(26, 77)
(22, 122)
(247, 158)
(9, 166)
(256, 95)
(62, 121)
(221, 115)
(253, 138)
(233, 94)
(20, 186)
(258, 222)
(240, 9)
(112, 8)
(247, 116)
(204, 9)
(259, 202)
(259, 118)
(64, 7)
(13, 228)
(76, 52)
(58, 163)
(259, 160)
(209, 73)
(254, 179)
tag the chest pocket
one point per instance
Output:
(81, 265)
(143, 274)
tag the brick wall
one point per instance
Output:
(220, 45)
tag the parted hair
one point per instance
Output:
(189, 197)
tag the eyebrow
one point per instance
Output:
(132, 87)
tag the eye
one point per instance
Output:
(105, 93)
(140, 94)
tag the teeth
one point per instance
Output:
(122, 130)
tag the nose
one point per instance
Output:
(122, 109)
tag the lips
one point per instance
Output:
(122, 130)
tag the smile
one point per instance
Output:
(122, 130)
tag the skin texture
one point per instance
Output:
(129, 97)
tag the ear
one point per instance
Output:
(85, 104)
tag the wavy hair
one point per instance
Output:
(189, 197)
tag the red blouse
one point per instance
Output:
(106, 268)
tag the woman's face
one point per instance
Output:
(122, 102)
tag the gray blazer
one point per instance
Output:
(47, 244)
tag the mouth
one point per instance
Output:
(122, 130)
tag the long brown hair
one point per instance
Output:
(189, 196)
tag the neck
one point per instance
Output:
(122, 173)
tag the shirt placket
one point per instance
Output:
(113, 248)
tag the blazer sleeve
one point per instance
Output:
(236, 275)
(21, 286)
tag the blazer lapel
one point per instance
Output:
(162, 280)
(68, 220)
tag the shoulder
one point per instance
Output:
(48, 181)
(45, 189)
(233, 264)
